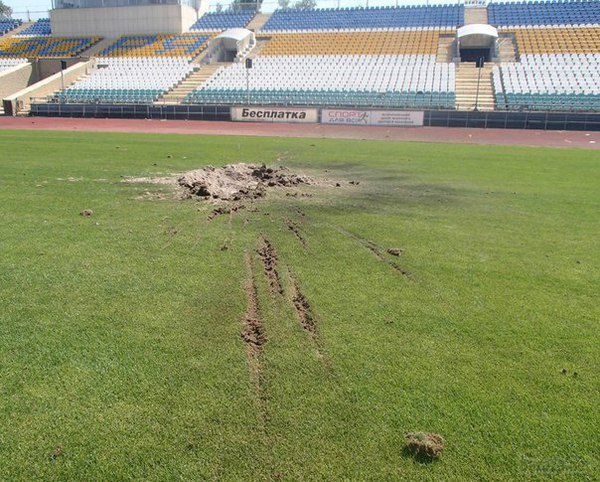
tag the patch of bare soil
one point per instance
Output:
(304, 310)
(424, 445)
(268, 256)
(239, 181)
(254, 336)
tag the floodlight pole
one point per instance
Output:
(247, 86)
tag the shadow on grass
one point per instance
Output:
(418, 457)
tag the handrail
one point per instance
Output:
(478, 84)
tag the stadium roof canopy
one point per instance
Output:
(477, 35)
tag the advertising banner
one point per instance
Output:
(274, 114)
(373, 117)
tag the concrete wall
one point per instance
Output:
(19, 101)
(112, 22)
(17, 78)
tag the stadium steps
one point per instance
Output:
(17, 30)
(258, 21)
(95, 49)
(196, 78)
(507, 49)
(445, 51)
(476, 15)
(467, 98)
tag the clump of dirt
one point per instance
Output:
(221, 210)
(57, 452)
(87, 213)
(395, 251)
(238, 181)
(426, 445)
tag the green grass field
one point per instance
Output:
(121, 355)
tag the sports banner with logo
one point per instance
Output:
(373, 117)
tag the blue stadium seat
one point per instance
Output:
(8, 25)
(570, 12)
(41, 28)
(366, 18)
(222, 21)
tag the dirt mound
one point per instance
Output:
(238, 181)
(422, 444)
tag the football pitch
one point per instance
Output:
(441, 288)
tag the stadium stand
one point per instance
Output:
(6, 64)
(44, 47)
(8, 24)
(138, 69)
(565, 82)
(349, 80)
(354, 43)
(41, 28)
(390, 68)
(375, 18)
(184, 45)
(576, 40)
(212, 22)
(128, 80)
(548, 13)
(547, 58)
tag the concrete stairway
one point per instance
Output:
(445, 51)
(95, 50)
(258, 21)
(190, 83)
(476, 15)
(467, 79)
(507, 49)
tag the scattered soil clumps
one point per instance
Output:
(424, 445)
(238, 181)
(224, 210)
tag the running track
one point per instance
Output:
(534, 138)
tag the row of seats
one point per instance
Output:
(222, 21)
(365, 18)
(354, 43)
(406, 100)
(557, 40)
(127, 79)
(45, 47)
(187, 45)
(6, 64)
(6, 25)
(40, 28)
(569, 12)
(549, 82)
(387, 76)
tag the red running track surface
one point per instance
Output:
(502, 137)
